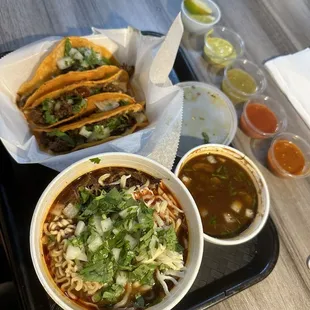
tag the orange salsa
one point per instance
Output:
(261, 118)
(288, 156)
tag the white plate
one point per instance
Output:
(206, 109)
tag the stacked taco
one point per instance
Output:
(95, 129)
(79, 97)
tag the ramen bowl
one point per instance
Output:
(173, 184)
(263, 200)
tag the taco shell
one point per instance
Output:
(93, 103)
(94, 118)
(48, 67)
(61, 81)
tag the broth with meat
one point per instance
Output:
(224, 193)
(115, 238)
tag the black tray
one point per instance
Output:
(224, 272)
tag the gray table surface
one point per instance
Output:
(269, 28)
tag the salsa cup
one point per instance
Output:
(256, 176)
(301, 143)
(235, 94)
(251, 130)
(226, 34)
(117, 160)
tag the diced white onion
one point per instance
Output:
(82, 256)
(249, 213)
(57, 106)
(229, 218)
(84, 64)
(211, 159)
(204, 212)
(107, 105)
(58, 209)
(80, 227)
(130, 190)
(121, 278)
(96, 221)
(95, 244)
(128, 211)
(102, 178)
(140, 117)
(75, 54)
(70, 101)
(116, 252)
(64, 63)
(74, 252)
(70, 211)
(87, 52)
(106, 224)
(236, 206)
(132, 241)
(115, 231)
(84, 132)
(186, 180)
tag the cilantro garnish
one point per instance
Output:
(205, 137)
(95, 160)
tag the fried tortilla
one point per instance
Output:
(61, 81)
(78, 100)
(71, 54)
(93, 130)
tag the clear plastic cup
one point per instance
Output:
(303, 146)
(251, 130)
(246, 67)
(222, 60)
(194, 26)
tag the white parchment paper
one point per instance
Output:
(158, 141)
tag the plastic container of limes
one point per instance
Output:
(199, 15)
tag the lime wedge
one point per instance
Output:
(207, 19)
(197, 7)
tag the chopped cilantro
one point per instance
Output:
(123, 103)
(61, 135)
(77, 107)
(113, 293)
(95, 160)
(50, 118)
(68, 47)
(205, 136)
(213, 220)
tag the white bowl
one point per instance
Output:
(118, 160)
(257, 178)
(192, 25)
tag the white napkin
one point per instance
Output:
(292, 73)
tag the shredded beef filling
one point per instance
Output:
(64, 111)
(58, 141)
(37, 116)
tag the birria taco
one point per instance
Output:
(71, 54)
(95, 129)
(79, 99)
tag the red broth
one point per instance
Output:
(224, 193)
